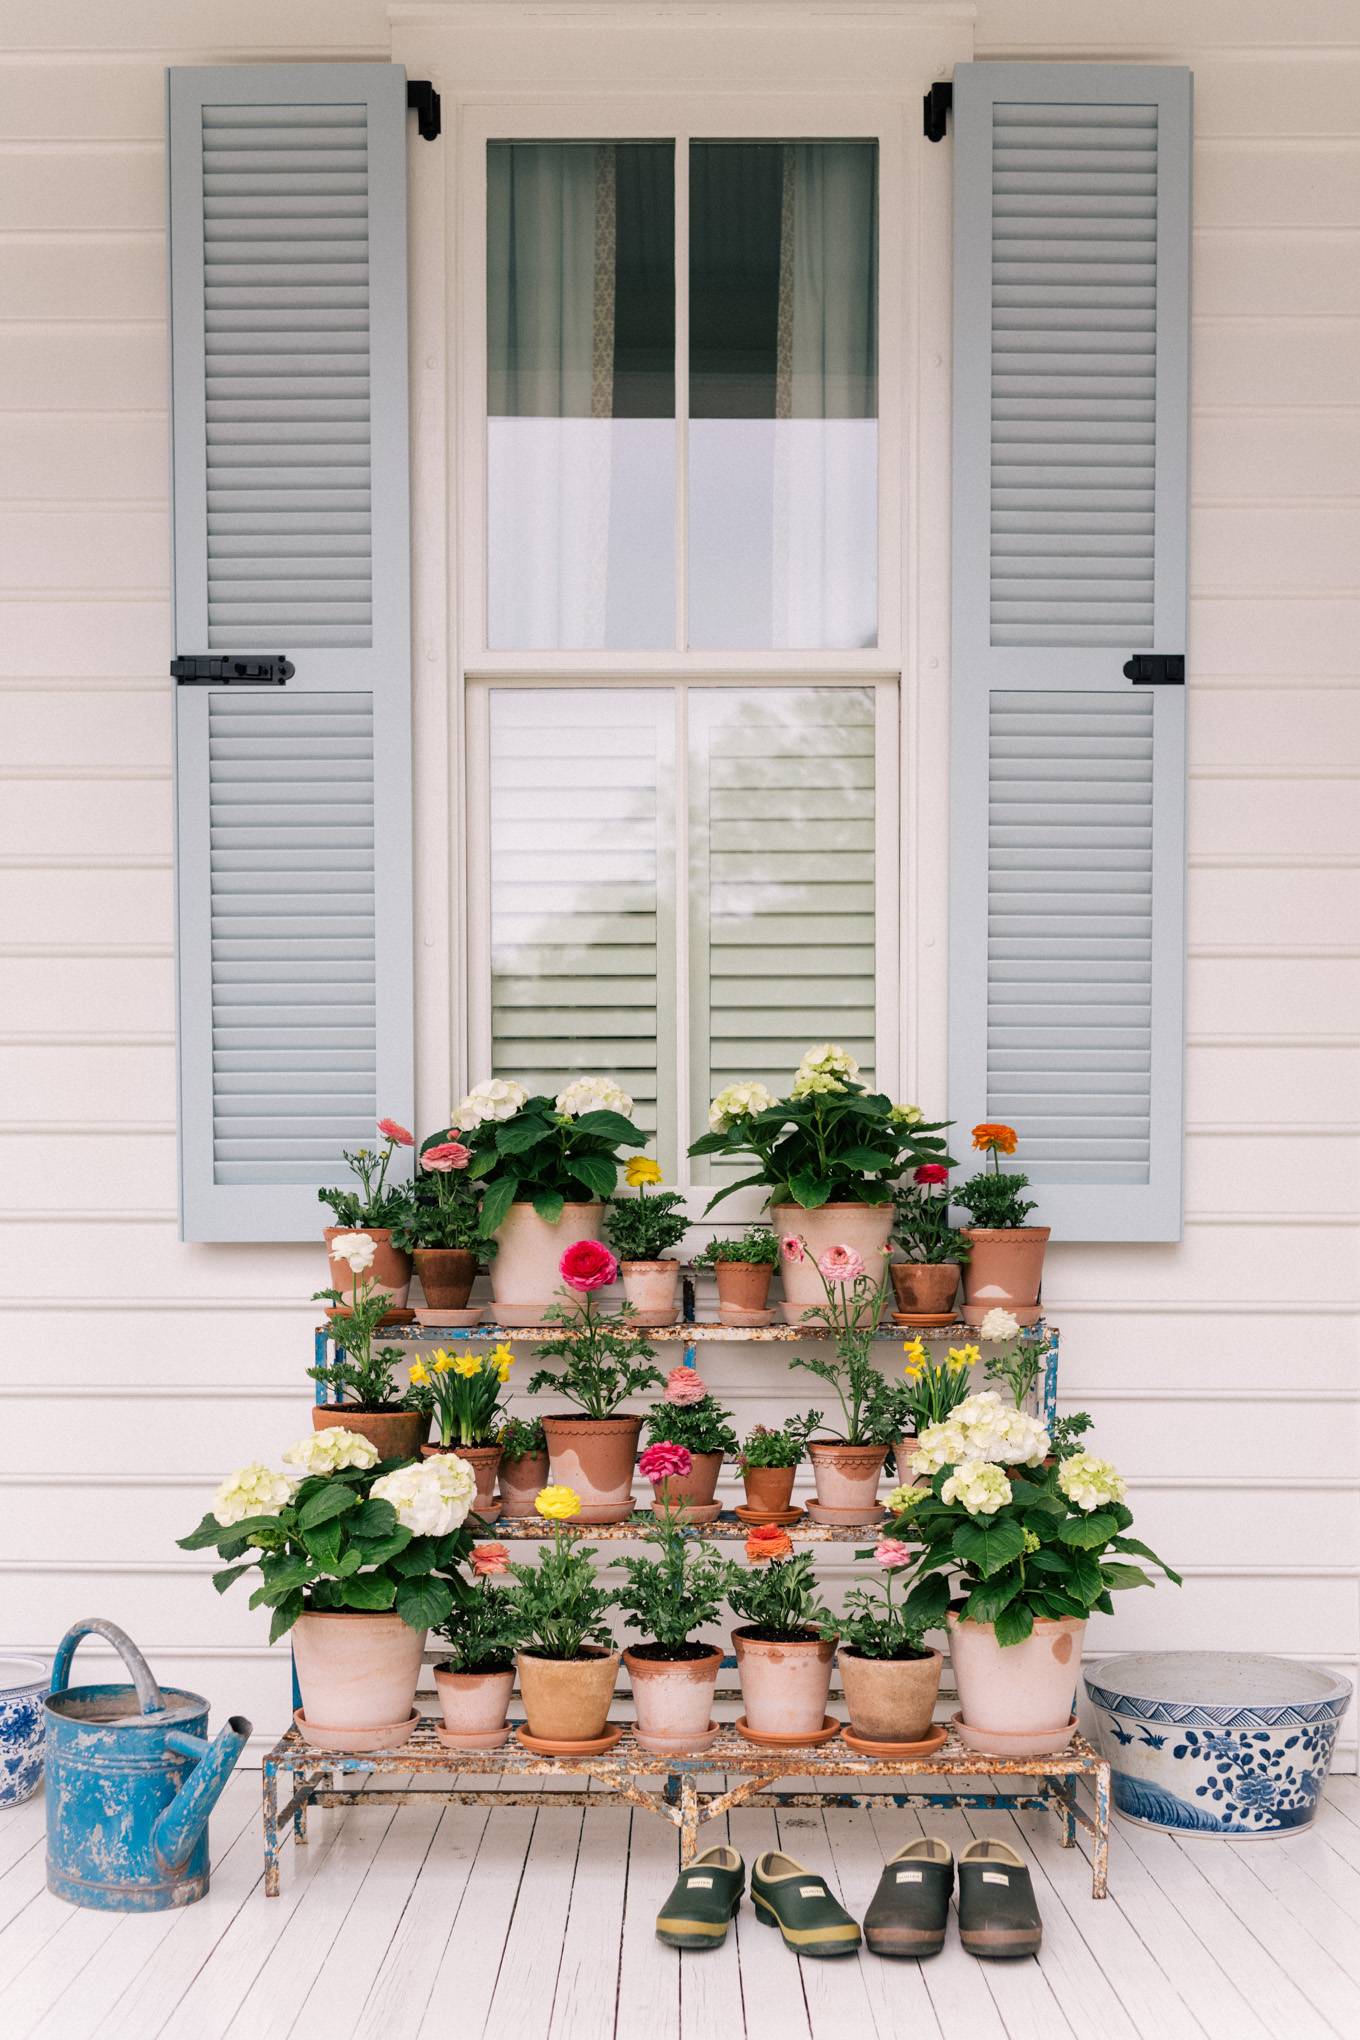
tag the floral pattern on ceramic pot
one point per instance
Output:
(23, 1685)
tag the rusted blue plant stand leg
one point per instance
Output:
(271, 1829)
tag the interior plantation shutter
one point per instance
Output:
(291, 539)
(1071, 343)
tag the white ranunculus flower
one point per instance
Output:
(999, 1324)
(332, 1451)
(1088, 1481)
(431, 1496)
(254, 1490)
(497, 1098)
(981, 1487)
(593, 1094)
(357, 1250)
(736, 1102)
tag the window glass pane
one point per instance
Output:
(581, 395)
(783, 398)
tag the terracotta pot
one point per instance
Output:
(769, 1487)
(485, 1461)
(865, 1227)
(743, 1285)
(446, 1275)
(652, 1287)
(673, 1696)
(1004, 1270)
(474, 1703)
(925, 1288)
(890, 1699)
(846, 1476)
(1019, 1687)
(695, 1488)
(356, 1671)
(390, 1269)
(521, 1480)
(567, 1699)
(784, 1685)
(594, 1455)
(397, 1434)
(524, 1277)
(902, 1451)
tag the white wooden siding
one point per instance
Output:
(1222, 1372)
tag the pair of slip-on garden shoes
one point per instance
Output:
(907, 1916)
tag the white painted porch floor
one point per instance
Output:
(537, 1924)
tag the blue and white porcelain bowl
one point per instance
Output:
(1217, 1742)
(23, 1687)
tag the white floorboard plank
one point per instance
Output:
(588, 1972)
(771, 1981)
(1270, 1922)
(21, 1828)
(465, 1981)
(838, 1999)
(896, 1988)
(526, 1983)
(405, 1982)
(954, 1979)
(649, 1975)
(1281, 1869)
(1338, 1834)
(711, 2006)
(1343, 1797)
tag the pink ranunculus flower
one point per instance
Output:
(390, 1130)
(891, 1553)
(931, 1172)
(445, 1156)
(587, 1264)
(489, 1561)
(791, 1246)
(664, 1461)
(683, 1387)
(841, 1264)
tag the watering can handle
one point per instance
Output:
(148, 1692)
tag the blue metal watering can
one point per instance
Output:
(130, 1784)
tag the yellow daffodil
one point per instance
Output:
(420, 1374)
(467, 1365)
(501, 1360)
(443, 1362)
(915, 1350)
(961, 1357)
(641, 1169)
(558, 1504)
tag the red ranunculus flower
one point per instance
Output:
(390, 1130)
(587, 1264)
(664, 1461)
(931, 1172)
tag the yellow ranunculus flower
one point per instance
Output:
(642, 1169)
(467, 1365)
(558, 1504)
(420, 1374)
(961, 1357)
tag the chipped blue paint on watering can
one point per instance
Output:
(130, 1784)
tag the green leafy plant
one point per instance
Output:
(483, 1632)
(757, 1247)
(642, 1228)
(854, 1299)
(1066, 1433)
(921, 1218)
(605, 1358)
(1021, 1359)
(559, 1604)
(697, 1422)
(374, 1203)
(782, 1447)
(463, 1392)
(545, 1151)
(669, 1597)
(359, 1374)
(777, 1593)
(445, 1207)
(873, 1624)
(521, 1436)
(993, 1198)
(830, 1140)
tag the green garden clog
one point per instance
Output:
(702, 1901)
(998, 1916)
(796, 1900)
(909, 1911)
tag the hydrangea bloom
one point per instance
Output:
(1088, 1481)
(332, 1451)
(816, 1083)
(356, 1249)
(981, 1427)
(593, 1094)
(900, 1501)
(999, 1324)
(254, 1490)
(912, 1115)
(497, 1098)
(825, 1058)
(981, 1487)
(738, 1101)
(431, 1496)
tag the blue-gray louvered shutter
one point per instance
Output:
(1067, 788)
(293, 804)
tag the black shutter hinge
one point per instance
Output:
(935, 106)
(423, 101)
(250, 670)
(1156, 669)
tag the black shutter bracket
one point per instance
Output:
(935, 106)
(247, 669)
(423, 101)
(1156, 669)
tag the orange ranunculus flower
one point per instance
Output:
(994, 1138)
(767, 1541)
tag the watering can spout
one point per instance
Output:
(184, 1819)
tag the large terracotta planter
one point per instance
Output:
(521, 1482)
(395, 1434)
(890, 1699)
(390, 1268)
(566, 1700)
(356, 1671)
(769, 1487)
(866, 1227)
(1004, 1271)
(925, 1288)
(446, 1276)
(695, 1489)
(596, 1456)
(524, 1274)
(784, 1686)
(474, 1704)
(673, 1696)
(1018, 1688)
(485, 1461)
(846, 1476)
(653, 1289)
(743, 1288)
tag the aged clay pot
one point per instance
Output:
(474, 1703)
(743, 1285)
(446, 1276)
(846, 1476)
(1004, 1271)
(1017, 1687)
(390, 1268)
(769, 1487)
(784, 1685)
(596, 1456)
(652, 1287)
(695, 1488)
(356, 1671)
(902, 1451)
(890, 1699)
(521, 1481)
(673, 1696)
(397, 1434)
(567, 1700)
(524, 1272)
(866, 1227)
(485, 1461)
(925, 1288)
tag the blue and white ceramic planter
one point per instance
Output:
(23, 1684)
(1217, 1742)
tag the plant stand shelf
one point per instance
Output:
(754, 1776)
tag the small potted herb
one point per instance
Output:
(927, 1282)
(605, 1359)
(687, 1416)
(475, 1680)
(375, 1207)
(846, 1469)
(360, 1378)
(889, 1676)
(742, 1268)
(673, 1677)
(524, 1464)
(463, 1390)
(441, 1229)
(1005, 1266)
(640, 1229)
(786, 1643)
(769, 1463)
(567, 1669)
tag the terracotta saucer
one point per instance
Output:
(595, 1748)
(475, 1739)
(728, 1314)
(403, 1316)
(606, 1512)
(777, 1516)
(490, 1514)
(429, 1314)
(388, 1735)
(821, 1512)
(825, 1733)
(926, 1320)
(691, 1512)
(678, 1745)
(1012, 1743)
(869, 1746)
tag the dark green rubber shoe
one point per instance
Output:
(797, 1901)
(909, 1912)
(703, 1900)
(998, 1916)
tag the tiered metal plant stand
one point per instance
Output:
(1050, 1782)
